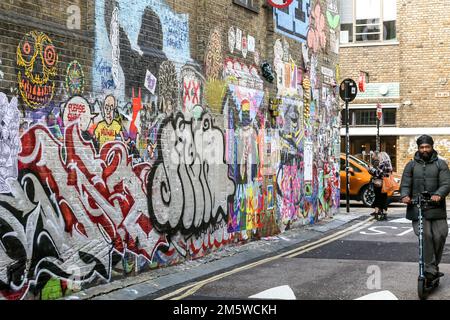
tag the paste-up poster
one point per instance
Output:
(308, 161)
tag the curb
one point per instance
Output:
(148, 284)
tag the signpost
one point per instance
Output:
(379, 116)
(280, 4)
(347, 92)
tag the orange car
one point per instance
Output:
(360, 186)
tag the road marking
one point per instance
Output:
(194, 287)
(382, 295)
(375, 231)
(279, 293)
(401, 220)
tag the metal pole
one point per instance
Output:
(347, 150)
(378, 135)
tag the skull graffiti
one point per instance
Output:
(37, 66)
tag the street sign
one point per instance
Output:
(348, 90)
(280, 4)
(379, 111)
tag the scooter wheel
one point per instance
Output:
(421, 289)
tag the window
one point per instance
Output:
(389, 117)
(368, 20)
(365, 117)
(368, 117)
(252, 5)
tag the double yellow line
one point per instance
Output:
(193, 288)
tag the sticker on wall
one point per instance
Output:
(244, 46)
(150, 82)
(37, 64)
(257, 57)
(305, 54)
(334, 42)
(308, 158)
(332, 6)
(270, 197)
(75, 79)
(238, 39)
(231, 39)
(251, 44)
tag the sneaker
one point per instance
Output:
(430, 277)
(439, 274)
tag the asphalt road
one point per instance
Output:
(376, 257)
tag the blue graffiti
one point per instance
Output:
(175, 32)
(293, 21)
(175, 26)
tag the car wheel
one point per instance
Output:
(367, 196)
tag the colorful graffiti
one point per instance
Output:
(289, 74)
(154, 158)
(245, 139)
(74, 79)
(37, 62)
(71, 197)
(293, 21)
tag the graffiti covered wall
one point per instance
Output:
(127, 144)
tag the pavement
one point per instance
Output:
(156, 282)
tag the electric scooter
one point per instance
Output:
(425, 287)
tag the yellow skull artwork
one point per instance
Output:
(37, 67)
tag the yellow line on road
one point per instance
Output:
(192, 288)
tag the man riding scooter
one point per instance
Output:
(427, 172)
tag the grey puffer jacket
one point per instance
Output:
(432, 176)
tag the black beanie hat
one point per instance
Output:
(425, 139)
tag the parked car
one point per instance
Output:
(360, 186)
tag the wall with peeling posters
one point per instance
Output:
(129, 144)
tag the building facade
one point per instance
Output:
(140, 134)
(401, 49)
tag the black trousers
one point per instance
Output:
(380, 199)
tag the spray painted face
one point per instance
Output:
(37, 67)
(109, 108)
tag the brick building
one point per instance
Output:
(139, 134)
(407, 71)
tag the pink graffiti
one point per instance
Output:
(291, 191)
(191, 92)
(316, 34)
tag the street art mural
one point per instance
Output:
(142, 158)
(293, 21)
(37, 62)
(127, 46)
(245, 136)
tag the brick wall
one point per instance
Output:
(140, 134)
